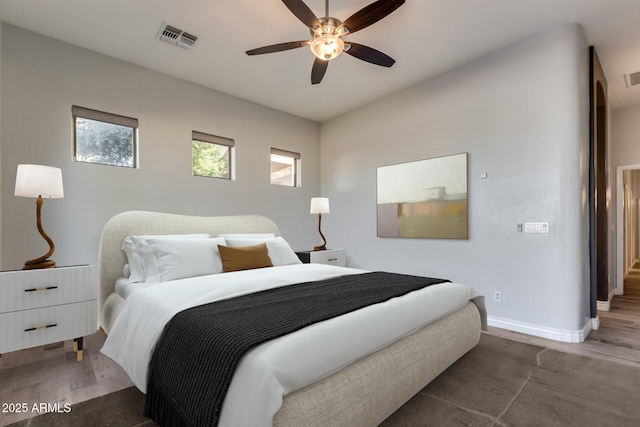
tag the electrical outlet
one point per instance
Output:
(497, 296)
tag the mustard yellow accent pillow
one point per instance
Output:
(244, 257)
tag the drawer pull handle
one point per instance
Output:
(333, 259)
(37, 328)
(41, 289)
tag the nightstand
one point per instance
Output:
(39, 307)
(328, 256)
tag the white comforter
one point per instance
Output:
(286, 364)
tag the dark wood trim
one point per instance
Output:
(598, 230)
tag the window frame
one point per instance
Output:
(297, 157)
(104, 117)
(216, 140)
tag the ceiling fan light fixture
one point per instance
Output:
(327, 47)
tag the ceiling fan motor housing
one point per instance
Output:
(328, 26)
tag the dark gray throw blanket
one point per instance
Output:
(200, 348)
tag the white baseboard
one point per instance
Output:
(606, 305)
(563, 335)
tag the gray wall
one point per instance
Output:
(522, 115)
(42, 78)
(625, 124)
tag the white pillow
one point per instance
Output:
(279, 250)
(171, 259)
(131, 247)
(247, 235)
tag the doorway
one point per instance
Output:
(628, 222)
(620, 320)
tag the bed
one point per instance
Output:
(360, 390)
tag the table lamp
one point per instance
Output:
(320, 205)
(39, 181)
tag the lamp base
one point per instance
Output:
(323, 246)
(42, 262)
(49, 263)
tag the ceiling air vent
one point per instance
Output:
(187, 40)
(632, 79)
(176, 36)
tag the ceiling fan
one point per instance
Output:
(328, 33)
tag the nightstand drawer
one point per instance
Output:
(27, 289)
(329, 256)
(29, 328)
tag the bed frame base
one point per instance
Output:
(366, 392)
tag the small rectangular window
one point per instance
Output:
(104, 138)
(212, 155)
(285, 167)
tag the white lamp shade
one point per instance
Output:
(38, 180)
(319, 205)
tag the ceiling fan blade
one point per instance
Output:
(278, 47)
(371, 14)
(318, 70)
(369, 54)
(302, 12)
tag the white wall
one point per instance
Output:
(42, 78)
(522, 115)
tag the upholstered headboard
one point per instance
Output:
(111, 259)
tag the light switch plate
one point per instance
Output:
(536, 227)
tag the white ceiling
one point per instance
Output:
(425, 37)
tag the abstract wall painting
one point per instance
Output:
(424, 199)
